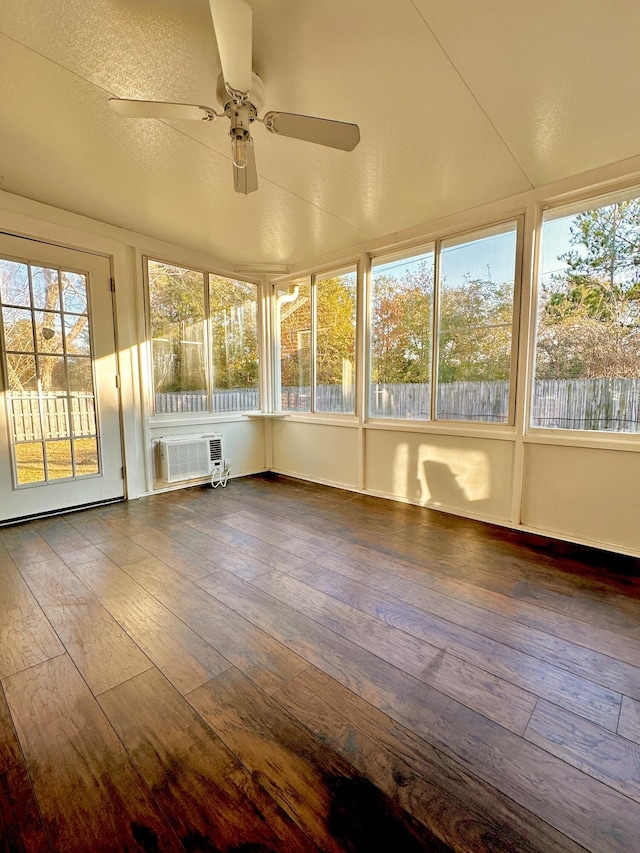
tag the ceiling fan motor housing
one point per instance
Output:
(254, 97)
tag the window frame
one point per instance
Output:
(582, 201)
(282, 287)
(435, 245)
(208, 414)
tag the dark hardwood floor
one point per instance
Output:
(280, 666)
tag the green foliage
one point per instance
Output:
(177, 312)
(234, 333)
(589, 318)
(401, 327)
(474, 334)
(335, 333)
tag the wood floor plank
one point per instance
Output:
(25, 545)
(186, 561)
(629, 725)
(491, 695)
(589, 634)
(26, 636)
(211, 800)
(123, 550)
(178, 652)
(10, 754)
(90, 795)
(457, 806)
(21, 827)
(592, 700)
(586, 810)
(262, 658)
(409, 701)
(103, 652)
(334, 804)
(251, 546)
(296, 540)
(603, 669)
(529, 673)
(608, 757)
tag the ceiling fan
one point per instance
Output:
(240, 93)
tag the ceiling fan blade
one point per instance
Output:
(322, 131)
(246, 180)
(159, 109)
(232, 21)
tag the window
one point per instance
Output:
(204, 341)
(477, 275)
(471, 333)
(401, 336)
(48, 364)
(587, 360)
(317, 321)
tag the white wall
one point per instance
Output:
(320, 452)
(463, 474)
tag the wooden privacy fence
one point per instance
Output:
(592, 404)
(46, 416)
(232, 400)
(604, 404)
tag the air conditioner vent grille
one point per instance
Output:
(189, 457)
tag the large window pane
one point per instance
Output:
(295, 349)
(177, 315)
(335, 343)
(587, 366)
(477, 276)
(234, 341)
(401, 330)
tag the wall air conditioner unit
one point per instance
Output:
(189, 457)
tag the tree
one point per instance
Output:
(234, 333)
(36, 328)
(475, 331)
(335, 332)
(401, 311)
(176, 303)
(589, 318)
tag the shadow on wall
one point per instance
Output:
(443, 476)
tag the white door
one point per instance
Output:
(60, 441)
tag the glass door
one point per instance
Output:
(61, 445)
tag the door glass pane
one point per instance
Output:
(336, 343)
(85, 451)
(29, 463)
(51, 373)
(46, 292)
(80, 375)
(21, 371)
(295, 349)
(49, 331)
(18, 329)
(76, 332)
(74, 293)
(14, 283)
(59, 465)
(52, 396)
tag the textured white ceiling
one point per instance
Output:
(458, 103)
